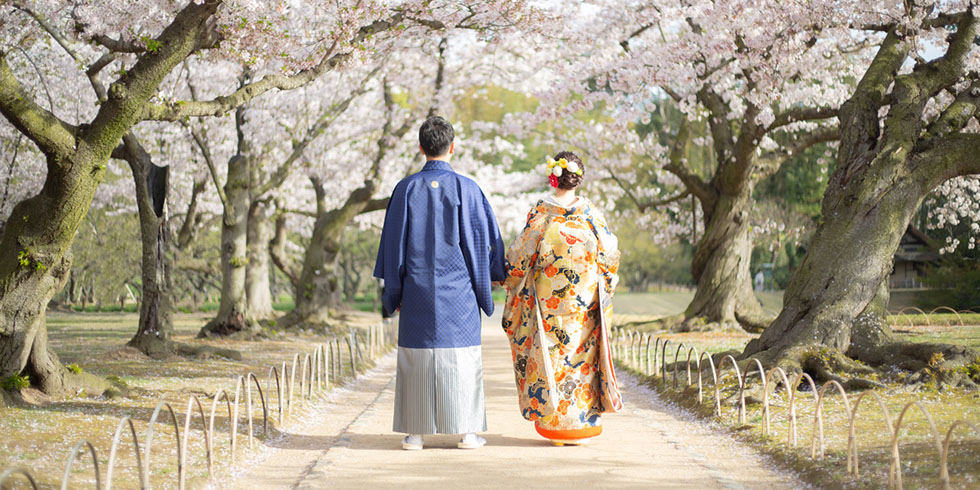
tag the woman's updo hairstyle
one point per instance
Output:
(569, 180)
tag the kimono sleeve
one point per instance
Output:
(481, 243)
(608, 256)
(522, 253)
(390, 264)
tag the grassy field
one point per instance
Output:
(920, 460)
(40, 437)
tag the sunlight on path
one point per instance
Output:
(647, 445)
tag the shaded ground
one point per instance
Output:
(40, 437)
(919, 456)
(647, 445)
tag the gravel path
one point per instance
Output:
(346, 442)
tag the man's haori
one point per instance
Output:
(440, 250)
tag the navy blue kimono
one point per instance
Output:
(440, 250)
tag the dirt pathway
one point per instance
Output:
(348, 443)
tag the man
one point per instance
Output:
(440, 250)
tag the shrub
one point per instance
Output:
(15, 382)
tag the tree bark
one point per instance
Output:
(835, 302)
(233, 313)
(258, 292)
(35, 249)
(724, 298)
(156, 310)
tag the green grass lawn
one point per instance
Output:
(39, 437)
(919, 456)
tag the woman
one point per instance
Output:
(560, 281)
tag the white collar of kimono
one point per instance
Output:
(555, 202)
(437, 165)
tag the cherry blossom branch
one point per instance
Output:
(201, 141)
(47, 131)
(223, 104)
(644, 206)
(771, 162)
(958, 113)
(440, 75)
(675, 165)
(797, 114)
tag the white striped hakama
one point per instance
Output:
(439, 391)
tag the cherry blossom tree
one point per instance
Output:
(907, 127)
(133, 49)
(755, 82)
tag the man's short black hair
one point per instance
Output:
(435, 136)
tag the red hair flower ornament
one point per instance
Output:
(557, 167)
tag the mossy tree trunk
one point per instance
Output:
(318, 290)
(234, 317)
(724, 297)
(35, 249)
(156, 309)
(258, 291)
(834, 304)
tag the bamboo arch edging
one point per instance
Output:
(943, 468)
(71, 460)
(895, 479)
(17, 470)
(148, 442)
(800, 377)
(818, 417)
(232, 420)
(895, 468)
(663, 360)
(959, 319)
(919, 310)
(738, 378)
(647, 353)
(274, 371)
(765, 394)
(194, 400)
(680, 345)
(656, 349)
(115, 447)
(852, 451)
(714, 378)
(698, 365)
(788, 388)
(353, 364)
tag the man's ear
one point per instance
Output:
(421, 150)
(452, 147)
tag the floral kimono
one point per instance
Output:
(561, 274)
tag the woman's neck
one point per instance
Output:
(565, 196)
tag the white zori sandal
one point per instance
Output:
(412, 442)
(471, 441)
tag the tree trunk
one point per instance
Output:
(156, 310)
(724, 297)
(35, 260)
(319, 289)
(834, 306)
(258, 292)
(233, 314)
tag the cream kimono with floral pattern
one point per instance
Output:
(561, 274)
